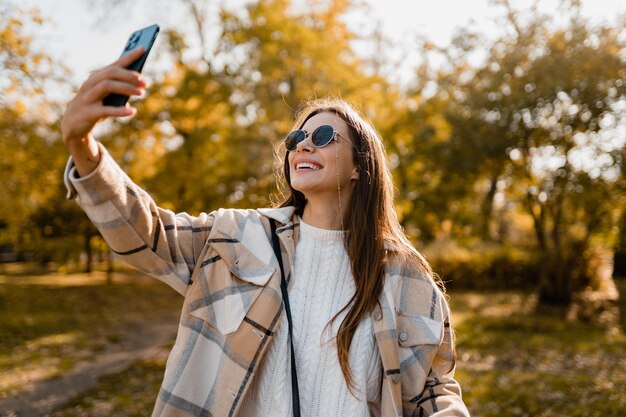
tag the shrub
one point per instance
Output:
(483, 265)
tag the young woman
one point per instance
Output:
(370, 327)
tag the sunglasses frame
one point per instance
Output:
(333, 137)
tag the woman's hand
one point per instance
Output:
(86, 110)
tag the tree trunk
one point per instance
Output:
(557, 287)
(621, 290)
(109, 256)
(554, 281)
(88, 253)
(487, 207)
(558, 291)
(563, 269)
(551, 289)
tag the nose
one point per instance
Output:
(306, 145)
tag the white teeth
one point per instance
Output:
(307, 165)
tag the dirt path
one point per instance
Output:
(38, 399)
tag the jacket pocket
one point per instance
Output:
(228, 282)
(418, 339)
(414, 330)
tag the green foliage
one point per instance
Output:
(31, 156)
(535, 125)
(483, 266)
(24, 68)
(520, 148)
(224, 115)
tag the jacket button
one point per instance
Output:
(404, 336)
(378, 315)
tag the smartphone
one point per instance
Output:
(143, 37)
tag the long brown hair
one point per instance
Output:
(370, 219)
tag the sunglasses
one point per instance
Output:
(320, 137)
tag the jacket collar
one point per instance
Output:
(281, 214)
(287, 233)
(284, 215)
(244, 245)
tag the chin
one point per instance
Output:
(303, 187)
(300, 187)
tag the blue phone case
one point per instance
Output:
(143, 37)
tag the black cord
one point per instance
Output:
(283, 288)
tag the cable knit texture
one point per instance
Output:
(322, 285)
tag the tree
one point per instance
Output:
(31, 157)
(539, 117)
(225, 110)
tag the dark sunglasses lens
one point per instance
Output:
(293, 139)
(322, 135)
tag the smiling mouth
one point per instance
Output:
(304, 166)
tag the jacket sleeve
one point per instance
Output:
(153, 240)
(441, 396)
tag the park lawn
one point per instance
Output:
(512, 360)
(50, 322)
(131, 393)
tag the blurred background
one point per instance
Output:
(505, 126)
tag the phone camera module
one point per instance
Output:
(132, 42)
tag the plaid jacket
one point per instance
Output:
(224, 266)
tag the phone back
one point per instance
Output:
(144, 37)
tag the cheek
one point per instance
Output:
(288, 167)
(345, 165)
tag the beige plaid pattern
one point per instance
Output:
(224, 265)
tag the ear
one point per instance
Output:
(354, 176)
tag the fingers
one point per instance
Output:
(107, 86)
(129, 58)
(96, 113)
(118, 70)
(114, 78)
(110, 111)
(86, 109)
(124, 61)
(114, 73)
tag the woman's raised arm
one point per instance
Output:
(158, 242)
(86, 110)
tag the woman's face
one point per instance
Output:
(319, 171)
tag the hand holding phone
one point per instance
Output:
(142, 38)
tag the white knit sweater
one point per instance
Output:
(322, 285)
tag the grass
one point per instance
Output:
(516, 362)
(512, 360)
(129, 394)
(48, 323)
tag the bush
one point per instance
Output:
(483, 266)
